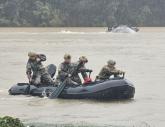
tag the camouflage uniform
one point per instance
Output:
(79, 68)
(40, 74)
(106, 72)
(63, 71)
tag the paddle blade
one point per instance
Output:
(57, 92)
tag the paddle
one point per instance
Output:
(56, 93)
(58, 90)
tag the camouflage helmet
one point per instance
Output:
(67, 56)
(32, 54)
(83, 59)
(111, 62)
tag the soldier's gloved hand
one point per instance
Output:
(30, 81)
(42, 57)
(38, 59)
(89, 70)
(121, 72)
(69, 75)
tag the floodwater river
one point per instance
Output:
(141, 55)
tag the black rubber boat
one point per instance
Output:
(111, 89)
(116, 88)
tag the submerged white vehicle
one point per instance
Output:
(123, 29)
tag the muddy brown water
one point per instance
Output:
(141, 55)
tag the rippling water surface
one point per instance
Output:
(141, 55)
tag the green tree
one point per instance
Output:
(82, 12)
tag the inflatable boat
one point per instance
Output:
(109, 89)
(115, 88)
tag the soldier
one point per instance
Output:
(108, 70)
(64, 69)
(79, 67)
(35, 70)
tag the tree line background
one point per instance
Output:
(68, 13)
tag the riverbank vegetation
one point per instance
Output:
(10, 122)
(64, 125)
(69, 13)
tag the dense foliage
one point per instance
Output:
(10, 122)
(82, 12)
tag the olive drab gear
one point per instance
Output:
(41, 57)
(81, 69)
(37, 70)
(76, 69)
(83, 59)
(67, 56)
(63, 71)
(111, 62)
(66, 69)
(32, 54)
(107, 71)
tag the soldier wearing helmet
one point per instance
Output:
(64, 69)
(108, 70)
(83, 59)
(79, 67)
(36, 72)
